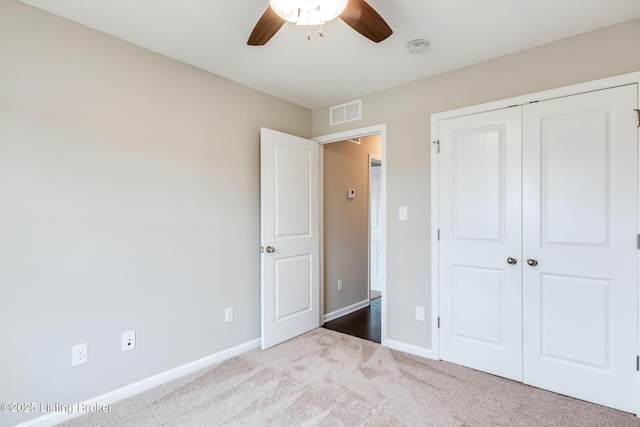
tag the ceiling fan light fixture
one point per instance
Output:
(286, 9)
(308, 4)
(357, 14)
(310, 17)
(308, 12)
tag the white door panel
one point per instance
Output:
(480, 303)
(289, 225)
(292, 286)
(292, 172)
(574, 156)
(475, 287)
(580, 338)
(580, 223)
(478, 196)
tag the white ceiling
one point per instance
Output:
(212, 35)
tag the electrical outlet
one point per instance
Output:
(79, 354)
(419, 313)
(339, 285)
(228, 314)
(129, 341)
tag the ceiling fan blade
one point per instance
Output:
(360, 16)
(268, 24)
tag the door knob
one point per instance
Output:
(532, 262)
(270, 249)
(511, 260)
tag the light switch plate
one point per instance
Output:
(402, 213)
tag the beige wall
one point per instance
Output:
(346, 221)
(406, 110)
(129, 200)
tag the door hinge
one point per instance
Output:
(437, 142)
(637, 363)
(638, 241)
(439, 235)
(638, 118)
(438, 322)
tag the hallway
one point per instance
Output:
(364, 323)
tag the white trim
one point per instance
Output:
(321, 231)
(412, 349)
(350, 134)
(143, 385)
(346, 310)
(361, 132)
(435, 247)
(638, 232)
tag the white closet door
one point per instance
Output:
(580, 224)
(480, 226)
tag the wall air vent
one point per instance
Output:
(345, 112)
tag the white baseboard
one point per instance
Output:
(344, 311)
(140, 386)
(411, 349)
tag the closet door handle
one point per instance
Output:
(532, 262)
(512, 261)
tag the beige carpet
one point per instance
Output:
(329, 379)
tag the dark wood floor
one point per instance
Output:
(364, 323)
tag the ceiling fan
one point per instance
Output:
(357, 14)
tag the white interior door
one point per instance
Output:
(580, 224)
(375, 226)
(480, 224)
(289, 236)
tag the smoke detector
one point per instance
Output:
(417, 46)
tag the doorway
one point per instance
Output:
(352, 235)
(346, 294)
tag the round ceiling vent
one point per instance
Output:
(417, 46)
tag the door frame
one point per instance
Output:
(381, 130)
(600, 84)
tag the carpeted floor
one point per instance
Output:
(326, 378)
